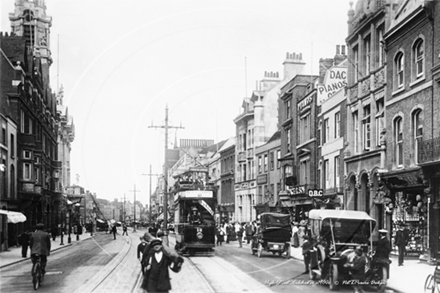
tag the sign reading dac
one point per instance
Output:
(315, 192)
(335, 80)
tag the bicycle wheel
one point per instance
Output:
(36, 275)
(430, 284)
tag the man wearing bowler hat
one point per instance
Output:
(157, 277)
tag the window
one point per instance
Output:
(288, 140)
(278, 159)
(238, 172)
(417, 129)
(367, 55)
(304, 170)
(243, 172)
(30, 126)
(12, 150)
(37, 175)
(260, 169)
(3, 141)
(272, 160)
(355, 131)
(337, 171)
(304, 125)
(326, 131)
(366, 129)
(244, 142)
(326, 174)
(337, 124)
(288, 108)
(356, 63)
(27, 154)
(22, 121)
(27, 171)
(399, 70)
(252, 170)
(398, 140)
(419, 58)
(381, 46)
(380, 121)
(265, 163)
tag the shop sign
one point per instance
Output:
(304, 103)
(335, 80)
(315, 192)
(297, 190)
(262, 179)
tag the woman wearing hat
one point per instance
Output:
(157, 277)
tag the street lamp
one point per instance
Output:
(69, 203)
(77, 205)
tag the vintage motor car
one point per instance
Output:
(273, 234)
(335, 234)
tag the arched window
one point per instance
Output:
(398, 140)
(419, 58)
(417, 131)
(399, 70)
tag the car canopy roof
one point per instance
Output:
(339, 214)
(274, 220)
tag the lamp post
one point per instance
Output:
(69, 240)
(77, 205)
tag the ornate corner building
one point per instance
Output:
(36, 129)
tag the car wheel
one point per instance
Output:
(333, 277)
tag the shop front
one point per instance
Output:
(409, 208)
(226, 211)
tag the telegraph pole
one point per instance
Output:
(150, 189)
(165, 174)
(134, 226)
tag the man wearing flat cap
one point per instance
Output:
(157, 277)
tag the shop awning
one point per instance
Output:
(14, 217)
(99, 220)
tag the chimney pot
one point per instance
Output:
(287, 55)
(343, 49)
(338, 49)
(300, 56)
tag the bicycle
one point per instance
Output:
(432, 283)
(37, 275)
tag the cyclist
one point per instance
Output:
(40, 246)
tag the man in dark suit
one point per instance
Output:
(401, 240)
(40, 245)
(157, 277)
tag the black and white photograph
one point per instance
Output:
(220, 146)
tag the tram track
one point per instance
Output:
(99, 279)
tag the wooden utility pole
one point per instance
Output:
(134, 206)
(150, 175)
(165, 175)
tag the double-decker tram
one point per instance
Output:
(195, 202)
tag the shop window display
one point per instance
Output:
(410, 211)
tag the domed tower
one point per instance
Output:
(30, 21)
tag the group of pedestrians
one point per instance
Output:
(242, 232)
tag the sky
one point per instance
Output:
(121, 63)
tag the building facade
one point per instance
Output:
(254, 127)
(268, 172)
(410, 120)
(364, 154)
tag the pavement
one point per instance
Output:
(409, 278)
